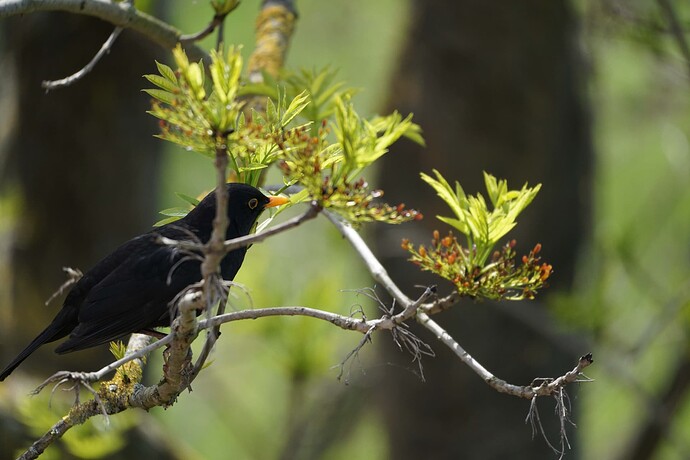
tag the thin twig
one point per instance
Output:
(73, 275)
(205, 32)
(243, 241)
(236, 243)
(548, 387)
(99, 374)
(221, 33)
(354, 353)
(378, 272)
(67, 81)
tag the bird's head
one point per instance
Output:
(245, 205)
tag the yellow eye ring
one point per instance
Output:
(253, 203)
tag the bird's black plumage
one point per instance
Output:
(130, 289)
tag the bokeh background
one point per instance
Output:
(590, 98)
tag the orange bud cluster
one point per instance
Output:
(500, 278)
(307, 163)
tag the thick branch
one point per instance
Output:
(116, 13)
(274, 28)
(136, 349)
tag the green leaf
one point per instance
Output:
(165, 221)
(162, 82)
(220, 84)
(299, 197)
(253, 167)
(118, 349)
(271, 112)
(189, 199)
(161, 95)
(175, 212)
(195, 78)
(295, 108)
(167, 72)
(456, 200)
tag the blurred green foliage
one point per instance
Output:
(632, 298)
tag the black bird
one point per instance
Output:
(130, 289)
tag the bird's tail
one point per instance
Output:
(60, 327)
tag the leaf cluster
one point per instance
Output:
(309, 127)
(482, 227)
(330, 171)
(207, 117)
(320, 86)
(477, 270)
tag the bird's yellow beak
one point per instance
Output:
(274, 201)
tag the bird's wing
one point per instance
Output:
(150, 274)
(134, 295)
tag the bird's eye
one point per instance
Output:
(253, 203)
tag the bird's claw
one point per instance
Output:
(62, 377)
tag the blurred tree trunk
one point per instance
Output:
(82, 161)
(496, 87)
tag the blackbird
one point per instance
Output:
(130, 290)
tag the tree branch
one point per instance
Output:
(136, 349)
(378, 272)
(548, 387)
(410, 309)
(208, 30)
(243, 241)
(119, 14)
(53, 84)
(274, 28)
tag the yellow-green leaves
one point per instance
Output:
(280, 113)
(478, 270)
(327, 157)
(330, 171)
(319, 86)
(482, 227)
(206, 116)
(197, 117)
(192, 115)
(362, 141)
